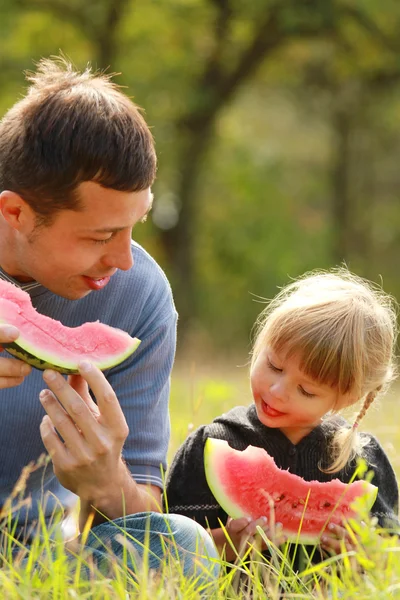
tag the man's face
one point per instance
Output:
(81, 250)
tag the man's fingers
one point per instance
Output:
(82, 389)
(70, 414)
(12, 372)
(11, 367)
(57, 451)
(8, 333)
(71, 434)
(54, 446)
(79, 385)
(107, 401)
(77, 422)
(86, 433)
(7, 382)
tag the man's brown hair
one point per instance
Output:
(72, 127)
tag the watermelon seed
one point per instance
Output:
(278, 498)
(301, 501)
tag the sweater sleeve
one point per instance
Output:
(386, 506)
(187, 491)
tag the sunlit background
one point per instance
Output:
(277, 126)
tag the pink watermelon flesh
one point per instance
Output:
(249, 484)
(46, 343)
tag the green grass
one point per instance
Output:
(198, 395)
(372, 571)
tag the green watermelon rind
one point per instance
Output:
(42, 360)
(236, 512)
(39, 347)
(230, 507)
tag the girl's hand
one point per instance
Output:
(245, 530)
(242, 532)
(335, 537)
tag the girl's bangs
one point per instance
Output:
(324, 355)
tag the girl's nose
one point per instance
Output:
(278, 390)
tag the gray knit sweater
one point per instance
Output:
(188, 493)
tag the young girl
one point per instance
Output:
(324, 343)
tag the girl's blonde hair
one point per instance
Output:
(343, 329)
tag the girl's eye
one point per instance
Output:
(305, 393)
(273, 368)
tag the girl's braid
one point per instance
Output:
(367, 403)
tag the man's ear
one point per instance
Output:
(15, 211)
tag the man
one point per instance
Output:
(76, 164)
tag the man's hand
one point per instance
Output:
(12, 371)
(88, 459)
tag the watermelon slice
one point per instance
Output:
(47, 344)
(249, 484)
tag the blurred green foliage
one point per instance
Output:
(277, 129)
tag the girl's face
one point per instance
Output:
(287, 399)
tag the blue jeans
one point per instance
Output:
(151, 540)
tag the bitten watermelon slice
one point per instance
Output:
(45, 343)
(249, 484)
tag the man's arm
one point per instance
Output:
(134, 498)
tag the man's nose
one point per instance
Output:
(119, 254)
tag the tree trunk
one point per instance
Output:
(179, 243)
(341, 194)
(107, 42)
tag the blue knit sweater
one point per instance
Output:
(140, 302)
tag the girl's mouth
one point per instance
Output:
(269, 411)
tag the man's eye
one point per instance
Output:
(273, 367)
(103, 241)
(106, 240)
